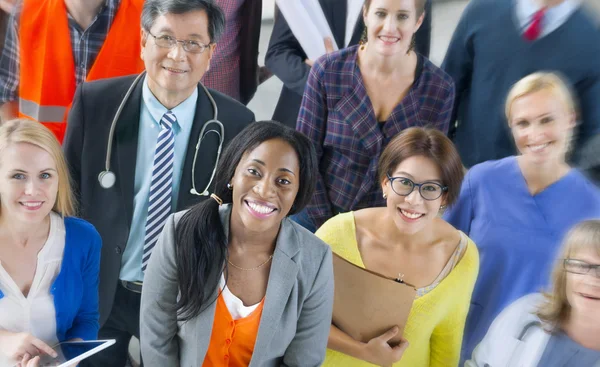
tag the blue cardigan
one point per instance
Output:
(75, 289)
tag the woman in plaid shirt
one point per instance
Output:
(357, 99)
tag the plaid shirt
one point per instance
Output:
(338, 117)
(224, 73)
(86, 45)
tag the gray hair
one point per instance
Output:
(216, 18)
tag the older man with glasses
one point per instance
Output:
(161, 156)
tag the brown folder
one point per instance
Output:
(367, 304)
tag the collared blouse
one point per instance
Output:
(338, 117)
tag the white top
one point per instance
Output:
(354, 11)
(236, 307)
(35, 314)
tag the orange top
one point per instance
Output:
(232, 341)
(47, 71)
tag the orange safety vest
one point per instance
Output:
(47, 72)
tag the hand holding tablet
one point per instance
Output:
(67, 354)
(19, 346)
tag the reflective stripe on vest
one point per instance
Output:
(42, 113)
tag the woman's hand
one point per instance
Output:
(328, 49)
(19, 345)
(27, 361)
(379, 352)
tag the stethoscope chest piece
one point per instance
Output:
(107, 179)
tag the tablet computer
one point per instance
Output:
(71, 353)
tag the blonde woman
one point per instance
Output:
(559, 328)
(517, 209)
(49, 261)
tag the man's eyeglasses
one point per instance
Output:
(404, 186)
(193, 47)
(580, 267)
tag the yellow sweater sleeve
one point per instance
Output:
(446, 340)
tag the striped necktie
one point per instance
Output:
(159, 203)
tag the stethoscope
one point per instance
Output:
(531, 324)
(521, 337)
(107, 178)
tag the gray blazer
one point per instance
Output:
(296, 318)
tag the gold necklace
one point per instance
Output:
(249, 269)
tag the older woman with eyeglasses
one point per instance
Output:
(420, 173)
(558, 328)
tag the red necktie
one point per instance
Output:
(535, 27)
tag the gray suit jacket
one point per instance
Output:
(296, 318)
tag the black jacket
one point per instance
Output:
(111, 210)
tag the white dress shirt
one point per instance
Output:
(553, 18)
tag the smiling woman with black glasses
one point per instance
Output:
(420, 173)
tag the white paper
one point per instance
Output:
(354, 11)
(309, 25)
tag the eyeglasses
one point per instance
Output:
(193, 47)
(580, 267)
(404, 186)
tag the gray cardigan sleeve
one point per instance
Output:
(309, 345)
(158, 319)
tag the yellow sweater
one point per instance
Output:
(436, 321)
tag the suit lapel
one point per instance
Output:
(281, 281)
(206, 156)
(125, 146)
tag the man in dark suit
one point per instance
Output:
(286, 59)
(154, 154)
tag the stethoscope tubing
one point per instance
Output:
(107, 178)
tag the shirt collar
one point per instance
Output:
(110, 5)
(184, 112)
(527, 8)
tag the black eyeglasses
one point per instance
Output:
(193, 47)
(404, 186)
(580, 267)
